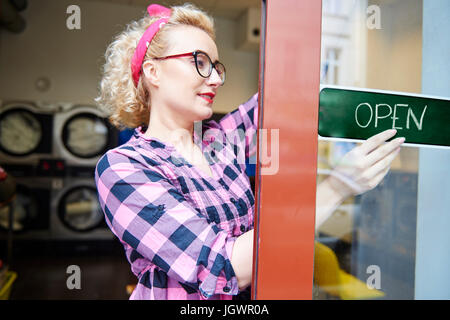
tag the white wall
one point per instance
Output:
(72, 59)
(242, 69)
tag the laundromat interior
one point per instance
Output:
(52, 135)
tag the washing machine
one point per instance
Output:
(31, 209)
(75, 134)
(75, 211)
(26, 132)
(82, 134)
(52, 150)
(49, 208)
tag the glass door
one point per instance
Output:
(392, 241)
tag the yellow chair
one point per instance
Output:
(5, 290)
(335, 281)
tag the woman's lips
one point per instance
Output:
(208, 97)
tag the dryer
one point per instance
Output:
(52, 150)
(82, 134)
(31, 209)
(75, 211)
(49, 208)
(26, 132)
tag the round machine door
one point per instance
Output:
(85, 135)
(79, 209)
(20, 132)
(30, 210)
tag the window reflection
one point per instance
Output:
(367, 248)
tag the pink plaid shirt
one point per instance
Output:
(178, 225)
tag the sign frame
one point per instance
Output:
(389, 92)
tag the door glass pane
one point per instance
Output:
(377, 245)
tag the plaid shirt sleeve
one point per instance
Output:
(148, 213)
(243, 123)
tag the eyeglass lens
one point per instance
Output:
(205, 66)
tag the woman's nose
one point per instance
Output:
(214, 78)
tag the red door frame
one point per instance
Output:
(289, 98)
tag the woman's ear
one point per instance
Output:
(151, 72)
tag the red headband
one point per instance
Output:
(141, 49)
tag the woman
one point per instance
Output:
(179, 200)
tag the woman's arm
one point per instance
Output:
(327, 200)
(359, 171)
(242, 259)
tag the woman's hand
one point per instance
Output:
(363, 168)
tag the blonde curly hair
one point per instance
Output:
(126, 105)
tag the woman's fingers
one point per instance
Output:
(367, 164)
(380, 176)
(382, 165)
(375, 141)
(383, 151)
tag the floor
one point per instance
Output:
(42, 271)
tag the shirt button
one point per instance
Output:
(233, 200)
(226, 289)
(242, 228)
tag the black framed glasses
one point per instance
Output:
(203, 64)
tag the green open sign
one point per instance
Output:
(356, 114)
